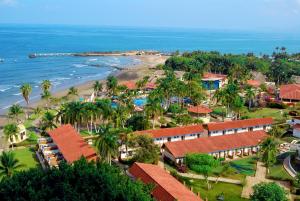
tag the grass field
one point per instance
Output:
(26, 156)
(231, 192)
(277, 114)
(278, 172)
(245, 166)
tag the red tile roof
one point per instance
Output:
(218, 126)
(214, 144)
(150, 85)
(167, 188)
(131, 85)
(214, 76)
(71, 144)
(254, 83)
(290, 91)
(177, 131)
(199, 109)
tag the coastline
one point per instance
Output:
(131, 72)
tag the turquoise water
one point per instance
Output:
(140, 101)
(17, 41)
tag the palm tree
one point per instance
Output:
(9, 164)
(112, 85)
(250, 95)
(48, 122)
(26, 90)
(46, 85)
(276, 131)
(119, 116)
(153, 108)
(269, 151)
(11, 131)
(107, 143)
(124, 137)
(98, 87)
(73, 91)
(15, 111)
(46, 96)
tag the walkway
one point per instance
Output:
(221, 179)
(288, 167)
(260, 176)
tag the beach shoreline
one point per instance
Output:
(131, 72)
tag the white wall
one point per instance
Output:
(162, 140)
(215, 133)
(296, 133)
(230, 131)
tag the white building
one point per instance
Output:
(239, 126)
(163, 135)
(22, 135)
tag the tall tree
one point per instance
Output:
(73, 91)
(98, 87)
(107, 142)
(26, 90)
(15, 111)
(154, 109)
(249, 96)
(46, 85)
(112, 85)
(269, 151)
(48, 122)
(11, 131)
(9, 164)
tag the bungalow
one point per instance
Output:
(290, 92)
(21, 136)
(201, 112)
(131, 85)
(64, 143)
(225, 146)
(211, 81)
(163, 135)
(239, 126)
(166, 187)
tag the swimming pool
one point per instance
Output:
(140, 101)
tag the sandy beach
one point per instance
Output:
(129, 73)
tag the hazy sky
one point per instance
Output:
(264, 15)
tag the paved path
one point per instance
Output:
(288, 167)
(260, 176)
(221, 179)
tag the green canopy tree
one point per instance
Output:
(47, 122)
(11, 131)
(15, 111)
(98, 87)
(269, 151)
(268, 192)
(107, 142)
(202, 164)
(81, 181)
(112, 85)
(26, 90)
(8, 164)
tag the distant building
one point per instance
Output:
(163, 135)
(201, 112)
(64, 143)
(225, 146)
(212, 81)
(290, 92)
(254, 83)
(238, 126)
(166, 187)
(131, 85)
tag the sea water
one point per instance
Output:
(18, 41)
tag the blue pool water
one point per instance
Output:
(140, 101)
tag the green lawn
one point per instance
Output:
(278, 172)
(231, 192)
(245, 166)
(267, 112)
(27, 157)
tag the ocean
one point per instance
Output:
(18, 41)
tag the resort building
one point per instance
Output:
(64, 143)
(238, 126)
(21, 136)
(200, 112)
(295, 124)
(163, 135)
(166, 187)
(225, 146)
(212, 81)
(290, 92)
(254, 83)
(131, 85)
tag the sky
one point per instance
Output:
(264, 15)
